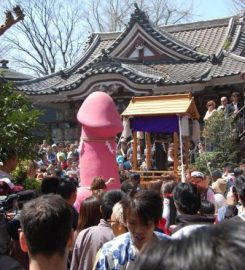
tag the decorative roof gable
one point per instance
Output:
(146, 60)
(144, 41)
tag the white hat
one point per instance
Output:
(197, 174)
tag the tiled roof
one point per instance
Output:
(211, 49)
(159, 35)
(10, 74)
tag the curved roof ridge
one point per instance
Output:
(67, 71)
(27, 82)
(226, 38)
(41, 89)
(235, 56)
(64, 72)
(125, 70)
(238, 43)
(196, 25)
(108, 35)
(85, 55)
(140, 17)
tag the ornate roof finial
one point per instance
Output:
(138, 15)
(89, 41)
(105, 55)
(136, 6)
(4, 63)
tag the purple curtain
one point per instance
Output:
(167, 124)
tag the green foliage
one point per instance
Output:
(220, 135)
(20, 176)
(32, 184)
(18, 122)
(20, 172)
(227, 44)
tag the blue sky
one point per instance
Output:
(212, 9)
(203, 9)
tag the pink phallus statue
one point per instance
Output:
(100, 124)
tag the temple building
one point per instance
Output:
(206, 59)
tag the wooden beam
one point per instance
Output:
(176, 150)
(148, 148)
(135, 165)
(186, 148)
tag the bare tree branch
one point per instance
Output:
(50, 37)
(239, 4)
(113, 15)
(52, 33)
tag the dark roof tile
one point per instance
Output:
(203, 42)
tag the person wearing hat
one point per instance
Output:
(198, 179)
(219, 188)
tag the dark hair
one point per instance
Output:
(230, 168)
(187, 198)
(153, 185)
(134, 176)
(231, 211)
(147, 204)
(207, 208)
(240, 187)
(66, 188)
(168, 186)
(242, 162)
(237, 94)
(98, 183)
(108, 200)
(90, 213)
(127, 186)
(47, 224)
(217, 247)
(217, 173)
(238, 172)
(49, 185)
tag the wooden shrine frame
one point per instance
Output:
(177, 105)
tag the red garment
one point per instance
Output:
(161, 226)
(63, 165)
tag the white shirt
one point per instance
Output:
(209, 114)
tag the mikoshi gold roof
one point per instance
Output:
(180, 104)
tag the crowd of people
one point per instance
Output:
(136, 227)
(232, 108)
(162, 224)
